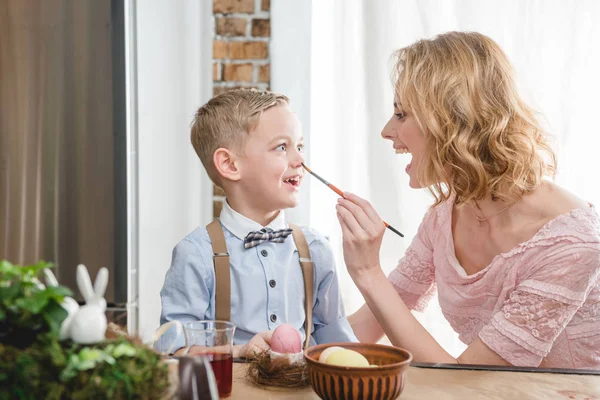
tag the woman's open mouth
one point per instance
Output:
(401, 149)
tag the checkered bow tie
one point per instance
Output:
(266, 235)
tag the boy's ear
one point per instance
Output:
(226, 164)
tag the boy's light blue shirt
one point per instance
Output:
(267, 287)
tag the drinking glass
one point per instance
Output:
(213, 340)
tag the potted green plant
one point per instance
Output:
(27, 307)
(36, 364)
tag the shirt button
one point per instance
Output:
(273, 318)
(272, 283)
(264, 253)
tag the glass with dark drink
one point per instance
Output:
(213, 340)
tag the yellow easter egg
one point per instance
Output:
(327, 352)
(347, 358)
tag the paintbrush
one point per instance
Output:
(338, 191)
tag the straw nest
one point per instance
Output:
(277, 372)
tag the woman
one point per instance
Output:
(515, 259)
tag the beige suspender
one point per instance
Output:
(223, 280)
(307, 274)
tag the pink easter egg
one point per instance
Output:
(286, 340)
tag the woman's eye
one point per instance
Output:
(400, 116)
(281, 147)
(301, 148)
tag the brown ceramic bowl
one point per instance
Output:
(385, 382)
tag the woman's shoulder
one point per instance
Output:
(565, 253)
(567, 215)
(569, 224)
(556, 200)
(578, 226)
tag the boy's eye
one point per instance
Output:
(281, 147)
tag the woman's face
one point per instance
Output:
(407, 138)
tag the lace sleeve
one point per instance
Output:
(414, 277)
(537, 311)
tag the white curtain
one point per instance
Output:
(554, 46)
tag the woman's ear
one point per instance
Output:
(226, 164)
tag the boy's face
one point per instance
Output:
(271, 166)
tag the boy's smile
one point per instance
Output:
(293, 181)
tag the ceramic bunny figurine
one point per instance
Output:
(88, 325)
(68, 303)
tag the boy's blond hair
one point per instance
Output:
(226, 120)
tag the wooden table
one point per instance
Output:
(442, 384)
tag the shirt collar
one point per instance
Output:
(241, 226)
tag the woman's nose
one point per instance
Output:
(388, 132)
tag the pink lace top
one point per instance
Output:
(541, 300)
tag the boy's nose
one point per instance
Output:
(297, 159)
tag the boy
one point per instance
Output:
(250, 144)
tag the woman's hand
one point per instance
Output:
(362, 231)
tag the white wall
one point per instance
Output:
(174, 52)
(290, 51)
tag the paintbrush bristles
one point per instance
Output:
(331, 186)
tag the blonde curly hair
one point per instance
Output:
(482, 138)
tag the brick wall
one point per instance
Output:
(242, 32)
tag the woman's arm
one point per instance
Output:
(365, 325)
(363, 231)
(405, 331)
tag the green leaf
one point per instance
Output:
(87, 354)
(25, 304)
(7, 268)
(124, 349)
(85, 365)
(34, 304)
(8, 293)
(71, 368)
(74, 359)
(58, 292)
(33, 270)
(54, 315)
(68, 373)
